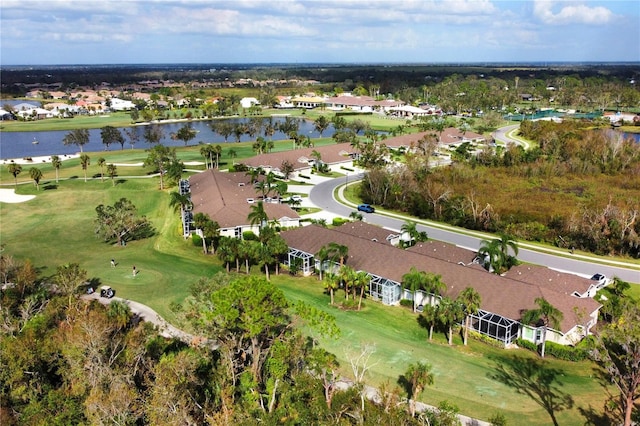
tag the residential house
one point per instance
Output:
(228, 197)
(302, 158)
(249, 102)
(504, 300)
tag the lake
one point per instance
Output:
(21, 144)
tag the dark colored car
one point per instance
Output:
(367, 208)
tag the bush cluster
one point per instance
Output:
(197, 240)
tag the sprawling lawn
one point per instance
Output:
(57, 227)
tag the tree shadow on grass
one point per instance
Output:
(612, 410)
(50, 186)
(535, 379)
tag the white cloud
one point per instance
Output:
(571, 13)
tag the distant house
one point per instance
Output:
(504, 299)
(228, 197)
(249, 102)
(117, 104)
(454, 137)
(301, 158)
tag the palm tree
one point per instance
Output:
(339, 252)
(180, 201)
(248, 250)
(331, 283)
(429, 316)
(418, 376)
(209, 228)
(226, 250)
(411, 228)
(414, 280)
(280, 188)
(546, 315)
(434, 284)
(217, 150)
(361, 281)
(36, 175)
(506, 242)
(321, 124)
(449, 313)
(347, 275)
(470, 300)
(101, 163)
(85, 160)
(493, 255)
(15, 170)
(56, 163)
(497, 252)
(257, 215)
(355, 216)
(205, 151)
(322, 256)
(112, 171)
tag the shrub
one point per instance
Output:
(486, 339)
(249, 236)
(197, 240)
(567, 353)
(349, 305)
(525, 344)
(406, 303)
(337, 221)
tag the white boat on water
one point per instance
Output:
(35, 141)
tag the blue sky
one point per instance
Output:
(34, 32)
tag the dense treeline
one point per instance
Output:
(454, 88)
(579, 188)
(69, 360)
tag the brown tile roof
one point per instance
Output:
(330, 154)
(405, 140)
(366, 231)
(223, 196)
(500, 295)
(558, 281)
(444, 251)
(452, 135)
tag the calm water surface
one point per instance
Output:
(21, 144)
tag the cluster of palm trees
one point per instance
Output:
(209, 152)
(496, 255)
(442, 310)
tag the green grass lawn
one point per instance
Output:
(57, 227)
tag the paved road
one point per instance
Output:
(322, 195)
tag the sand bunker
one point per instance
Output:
(10, 196)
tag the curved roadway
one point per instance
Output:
(322, 195)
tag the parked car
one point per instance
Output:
(106, 291)
(367, 208)
(296, 198)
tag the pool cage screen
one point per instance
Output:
(306, 265)
(384, 290)
(495, 326)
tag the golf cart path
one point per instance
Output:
(147, 314)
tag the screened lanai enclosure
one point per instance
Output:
(306, 260)
(385, 290)
(495, 326)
